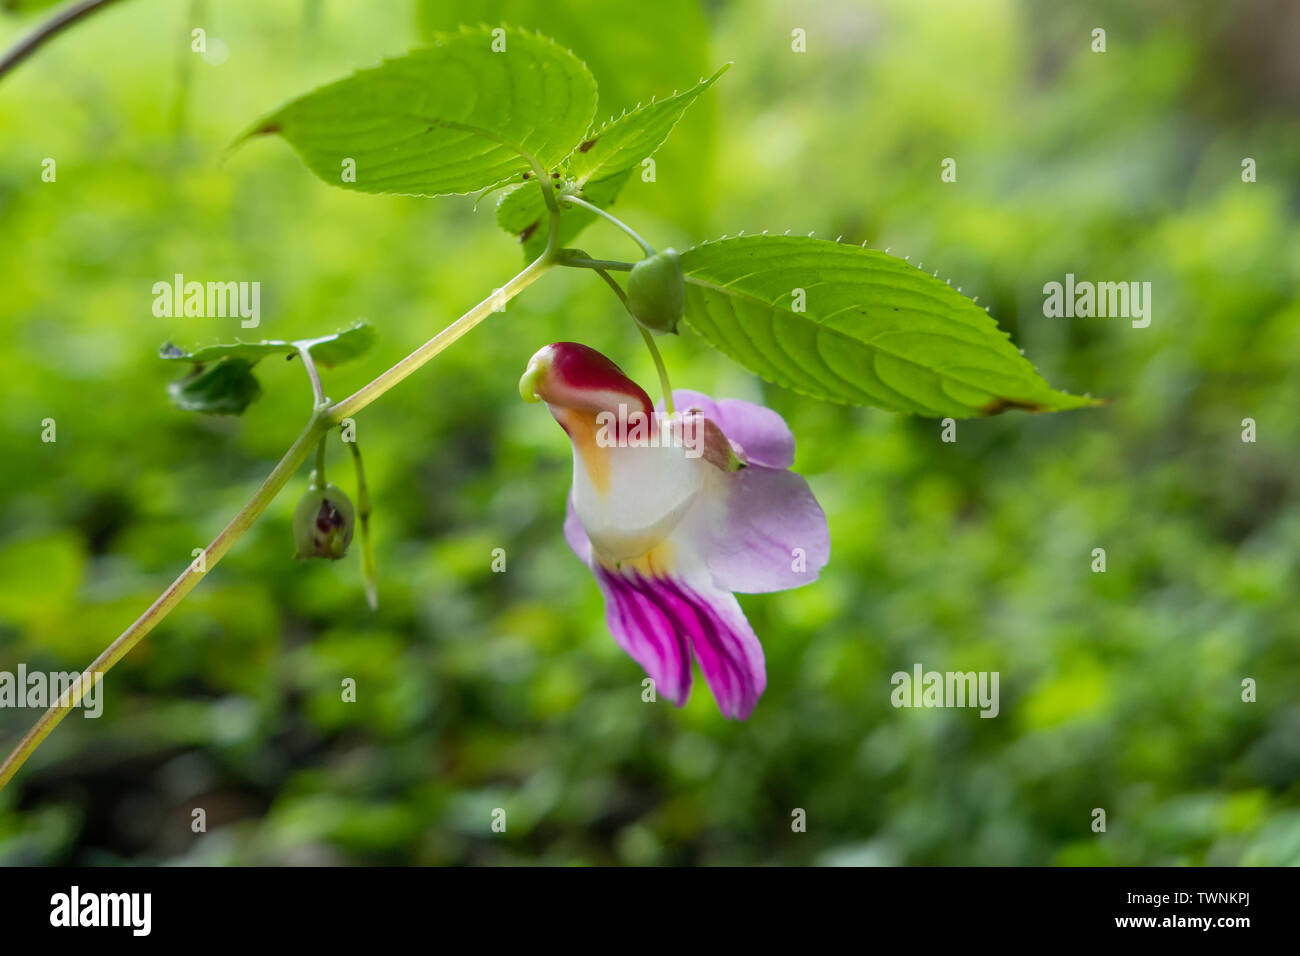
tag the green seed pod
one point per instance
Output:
(322, 523)
(656, 292)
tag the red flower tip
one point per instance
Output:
(569, 375)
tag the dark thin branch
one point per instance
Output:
(47, 31)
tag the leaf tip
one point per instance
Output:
(1068, 402)
(999, 405)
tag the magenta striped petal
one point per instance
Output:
(661, 621)
(646, 629)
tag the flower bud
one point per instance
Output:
(656, 292)
(322, 523)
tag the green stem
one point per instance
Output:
(317, 390)
(168, 600)
(618, 290)
(48, 31)
(548, 189)
(413, 362)
(576, 201)
(659, 364)
(649, 342)
(323, 418)
(582, 262)
(363, 515)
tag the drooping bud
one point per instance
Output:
(323, 523)
(656, 291)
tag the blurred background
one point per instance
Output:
(476, 690)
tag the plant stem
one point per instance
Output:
(649, 341)
(412, 363)
(363, 516)
(659, 364)
(323, 419)
(548, 188)
(576, 201)
(182, 586)
(618, 291)
(317, 390)
(48, 31)
(582, 262)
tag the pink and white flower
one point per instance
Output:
(703, 505)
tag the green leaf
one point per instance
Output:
(873, 330)
(623, 143)
(329, 350)
(352, 342)
(455, 117)
(223, 383)
(644, 48)
(597, 169)
(226, 387)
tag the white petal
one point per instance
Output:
(636, 502)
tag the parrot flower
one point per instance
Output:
(674, 513)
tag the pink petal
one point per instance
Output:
(760, 432)
(767, 534)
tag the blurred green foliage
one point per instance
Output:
(478, 690)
